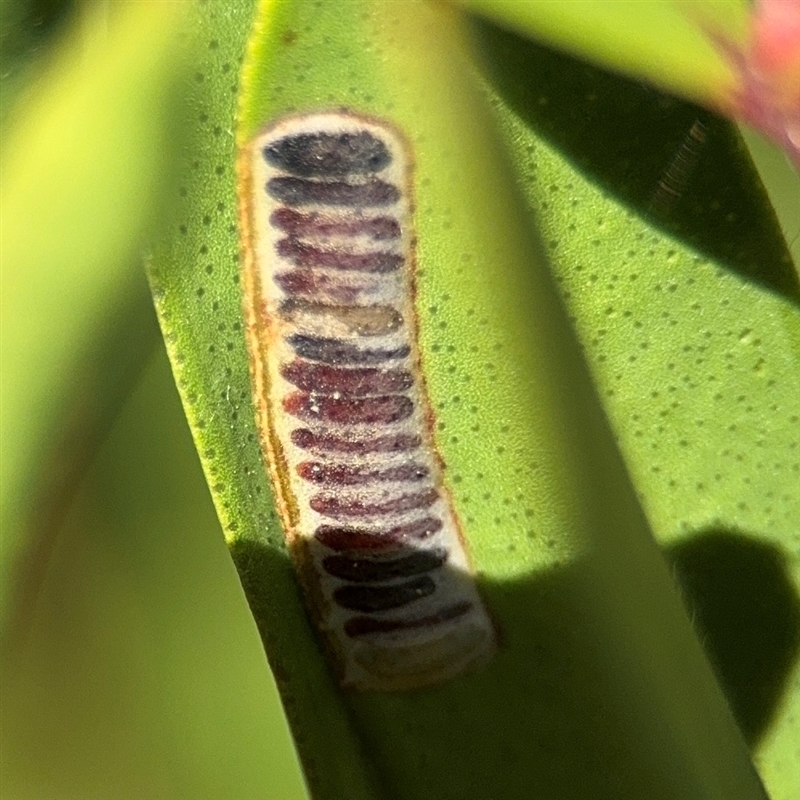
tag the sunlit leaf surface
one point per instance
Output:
(326, 57)
(685, 297)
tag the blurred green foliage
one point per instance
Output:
(141, 673)
(138, 671)
(84, 162)
(131, 667)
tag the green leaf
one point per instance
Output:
(28, 31)
(599, 684)
(142, 674)
(83, 165)
(686, 303)
(735, 57)
(195, 278)
(665, 42)
(783, 186)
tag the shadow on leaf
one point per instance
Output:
(747, 613)
(679, 166)
(549, 711)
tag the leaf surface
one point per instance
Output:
(142, 674)
(599, 670)
(77, 199)
(738, 58)
(662, 41)
(683, 292)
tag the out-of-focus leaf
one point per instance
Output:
(735, 57)
(767, 93)
(599, 682)
(142, 675)
(29, 27)
(661, 41)
(783, 185)
(101, 382)
(83, 164)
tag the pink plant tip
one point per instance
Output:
(768, 69)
